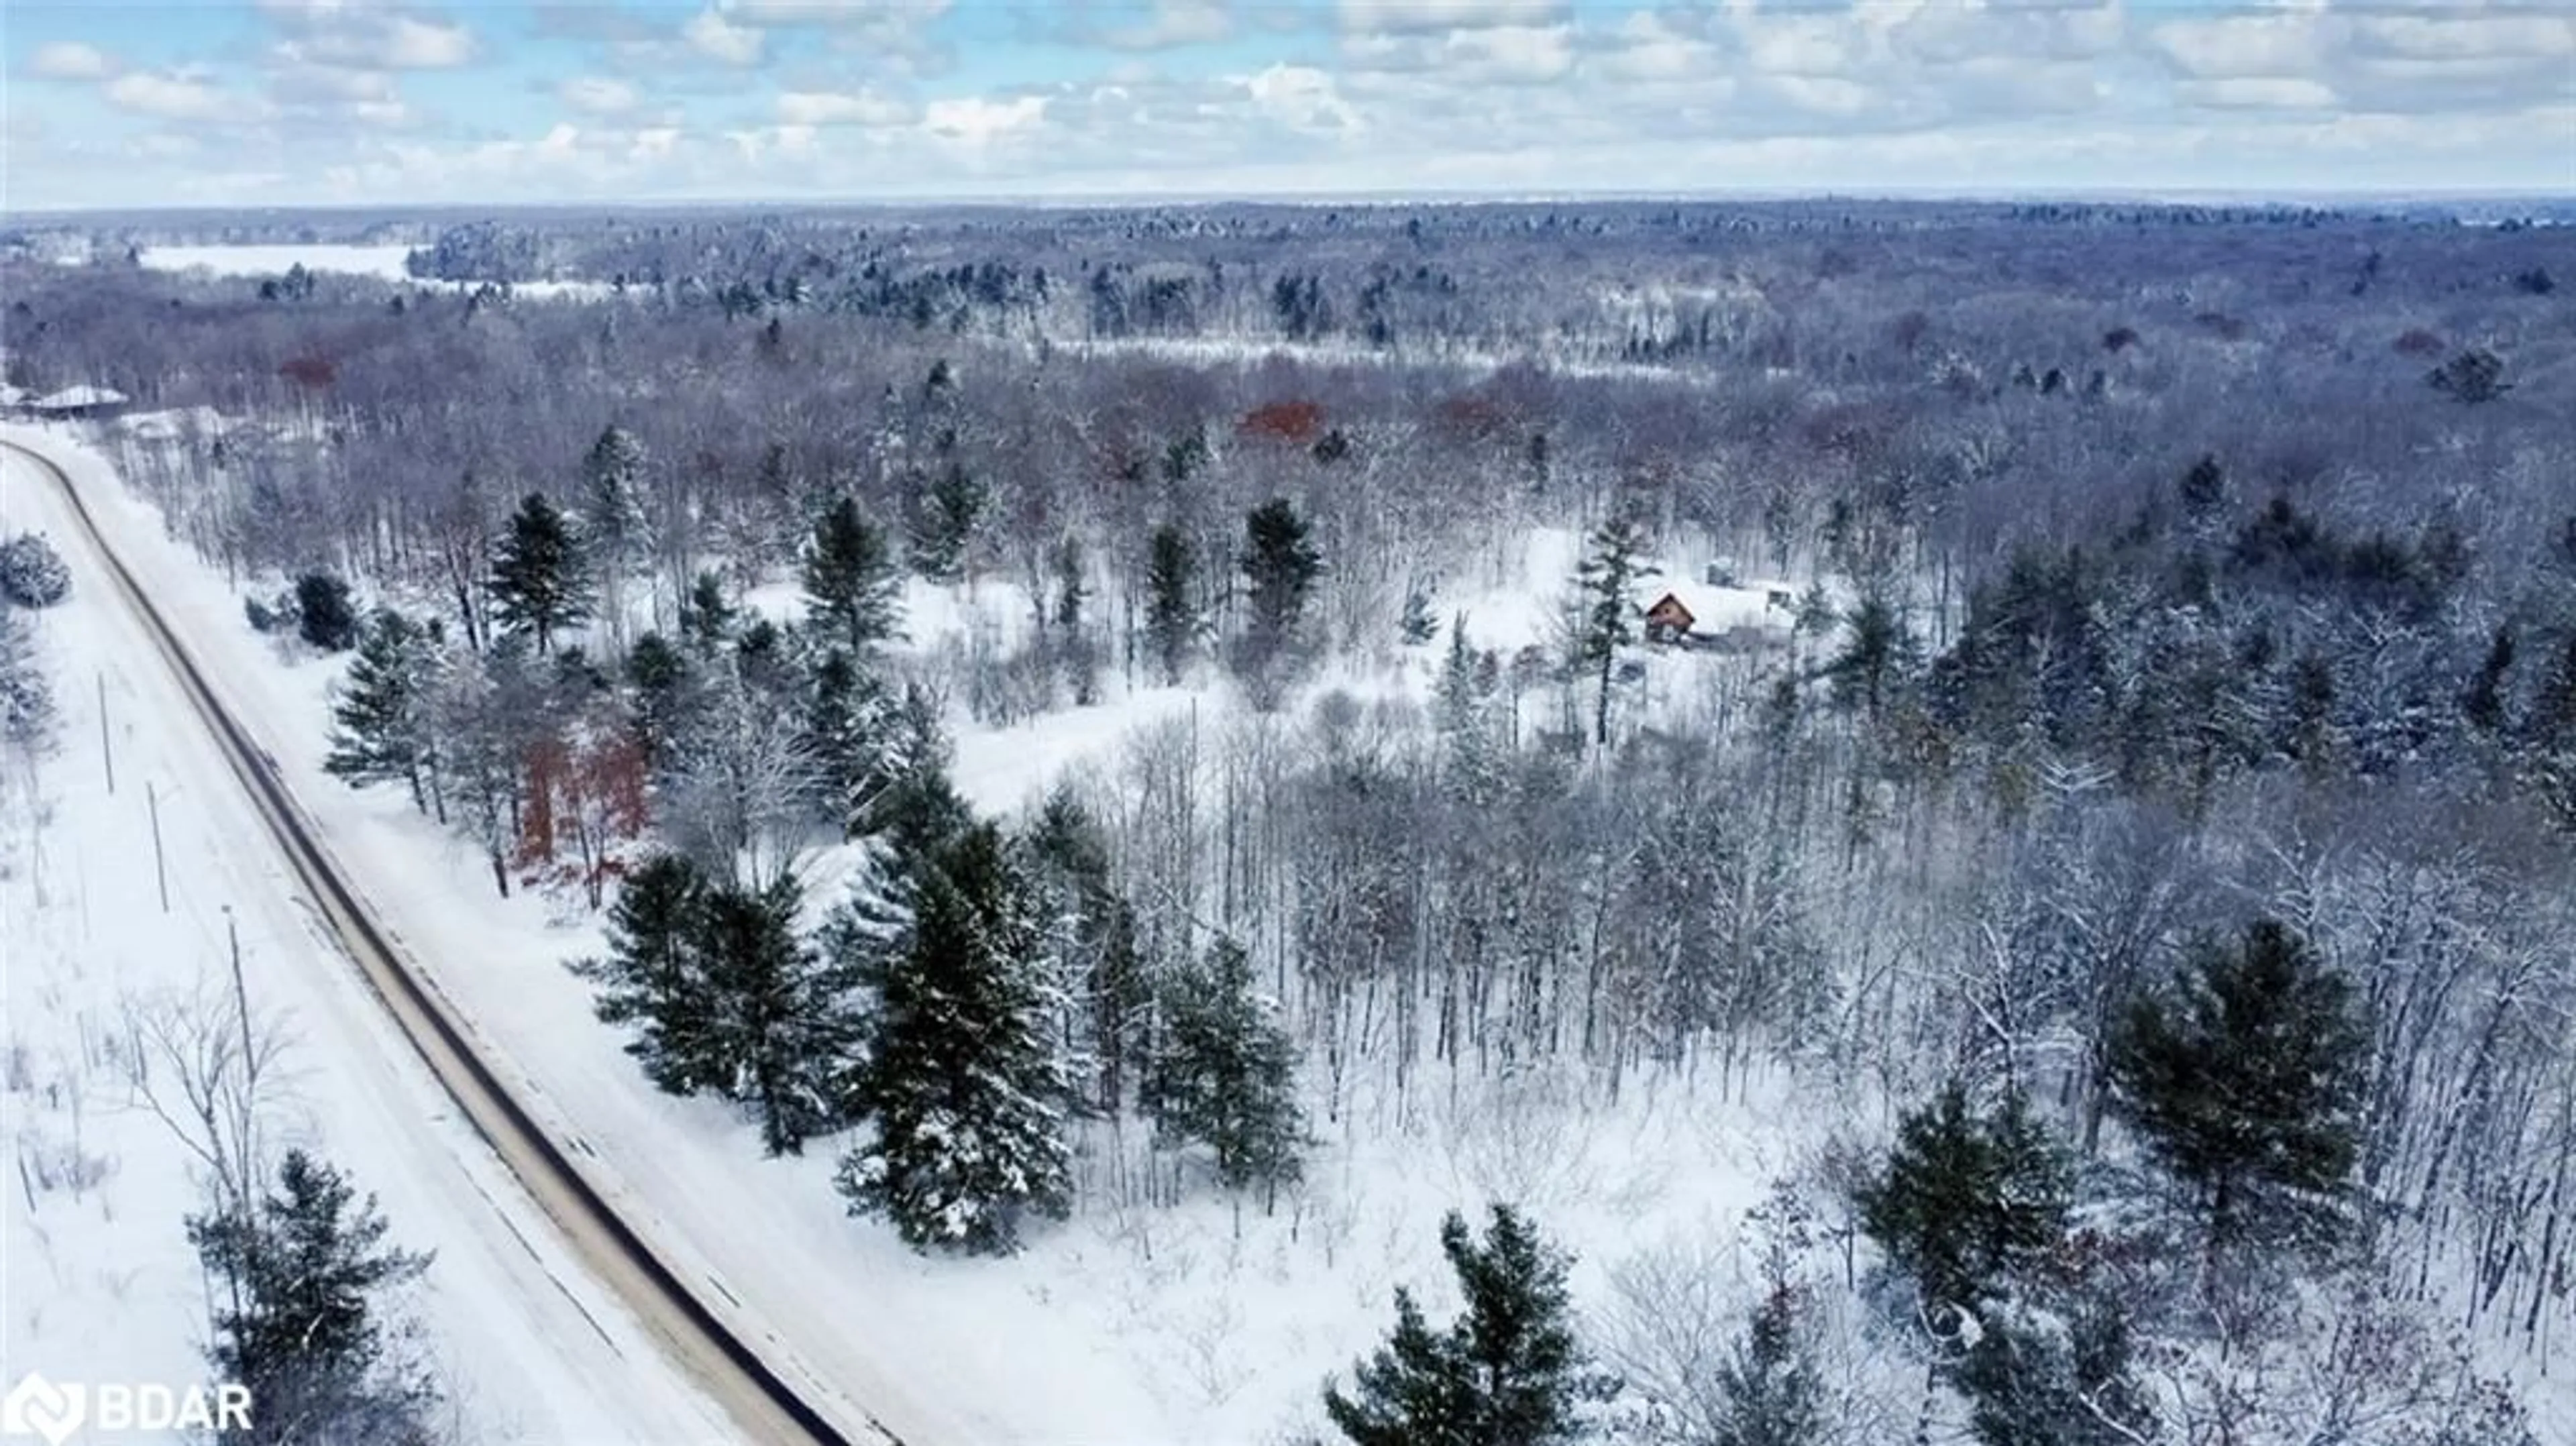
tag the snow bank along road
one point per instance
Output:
(710, 1351)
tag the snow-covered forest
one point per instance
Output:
(1144, 753)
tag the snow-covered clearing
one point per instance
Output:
(385, 263)
(97, 1279)
(1197, 1322)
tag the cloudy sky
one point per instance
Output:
(225, 102)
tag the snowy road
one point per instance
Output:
(586, 1307)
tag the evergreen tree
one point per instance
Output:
(783, 1030)
(1509, 1372)
(32, 574)
(1416, 625)
(26, 690)
(707, 617)
(661, 681)
(1967, 1199)
(2246, 1082)
(1074, 645)
(1171, 614)
(655, 975)
(2204, 490)
(851, 591)
(962, 1082)
(1876, 650)
(1606, 618)
(1107, 996)
(614, 530)
(383, 708)
(1280, 564)
(729, 999)
(848, 727)
(1224, 1073)
(296, 1278)
(1471, 761)
(944, 519)
(538, 588)
(324, 616)
(2058, 1377)
(1770, 1393)
(2549, 736)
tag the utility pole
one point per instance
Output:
(160, 865)
(106, 753)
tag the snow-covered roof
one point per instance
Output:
(74, 397)
(1712, 609)
(9, 395)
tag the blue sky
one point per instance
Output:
(287, 102)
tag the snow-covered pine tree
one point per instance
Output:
(944, 519)
(707, 616)
(1280, 564)
(784, 1026)
(324, 616)
(2054, 1375)
(852, 594)
(1509, 1372)
(538, 586)
(1105, 995)
(654, 974)
(2247, 1081)
(615, 531)
(32, 574)
(383, 709)
(297, 1319)
(1967, 1199)
(26, 690)
(1770, 1393)
(962, 1083)
(850, 728)
(1224, 1073)
(1171, 607)
(1606, 616)
(1471, 761)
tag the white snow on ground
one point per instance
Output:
(1202, 1322)
(238, 260)
(383, 262)
(97, 1280)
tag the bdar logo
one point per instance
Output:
(38, 1407)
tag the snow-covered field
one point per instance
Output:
(382, 262)
(379, 261)
(1204, 1321)
(97, 1279)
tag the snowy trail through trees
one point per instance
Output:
(599, 1322)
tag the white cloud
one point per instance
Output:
(168, 95)
(598, 95)
(374, 40)
(1513, 54)
(409, 44)
(975, 122)
(70, 60)
(2243, 46)
(1301, 98)
(1172, 23)
(1400, 16)
(839, 12)
(2258, 92)
(712, 35)
(836, 108)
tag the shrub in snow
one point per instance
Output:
(32, 574)
(324, 617)
(26, 695)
